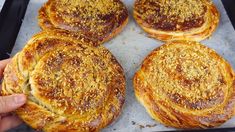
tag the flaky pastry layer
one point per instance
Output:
(168, 20)
(184, 84)
(70, 86)
(100, 20)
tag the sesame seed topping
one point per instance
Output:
(190, 77)
(172, 14)
(93, 18)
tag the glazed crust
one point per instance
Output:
(100, 20)
(168, 20)
(184, 84)
(70, 86)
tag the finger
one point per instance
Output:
(5, 114)
(3, 64)
(12, 102)
(9, 122)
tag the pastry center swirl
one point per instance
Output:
(71, 79)
(188, 77)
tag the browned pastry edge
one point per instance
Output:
(45, 24)
(79, 37)
(42, 117)
(184, 35)
(115, 32)
(162, 112)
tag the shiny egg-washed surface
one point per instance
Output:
(70, 86)
(97, 19)
(177, 19)
(184, 84)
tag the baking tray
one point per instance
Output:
(11, 17)
(130, 48)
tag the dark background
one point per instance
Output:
(229, 5)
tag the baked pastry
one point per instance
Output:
(97, 19)
(70, 86)
(184, 84)
(177, 19)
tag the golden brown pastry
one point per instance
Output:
(70, 86)
(97, 19)
(177, 19)
(184, 84)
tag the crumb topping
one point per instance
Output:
(187, 76)
(172, 14)
(183, 9)
(90, 8)
(94, 17)
(73, 79)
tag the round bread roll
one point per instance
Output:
(177, 19)
(70, 86)
(97, 19)
(184, 84)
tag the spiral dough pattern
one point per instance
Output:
(70, 86)
(100, 20)
(186, 85)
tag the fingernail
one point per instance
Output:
(19, 99)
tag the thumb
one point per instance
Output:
(12, 102)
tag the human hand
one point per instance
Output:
(9, 104)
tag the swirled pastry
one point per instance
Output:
(177, 19)
(97, 19)
(184, 84)
(70, 86)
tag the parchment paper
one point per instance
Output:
(130, 48)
